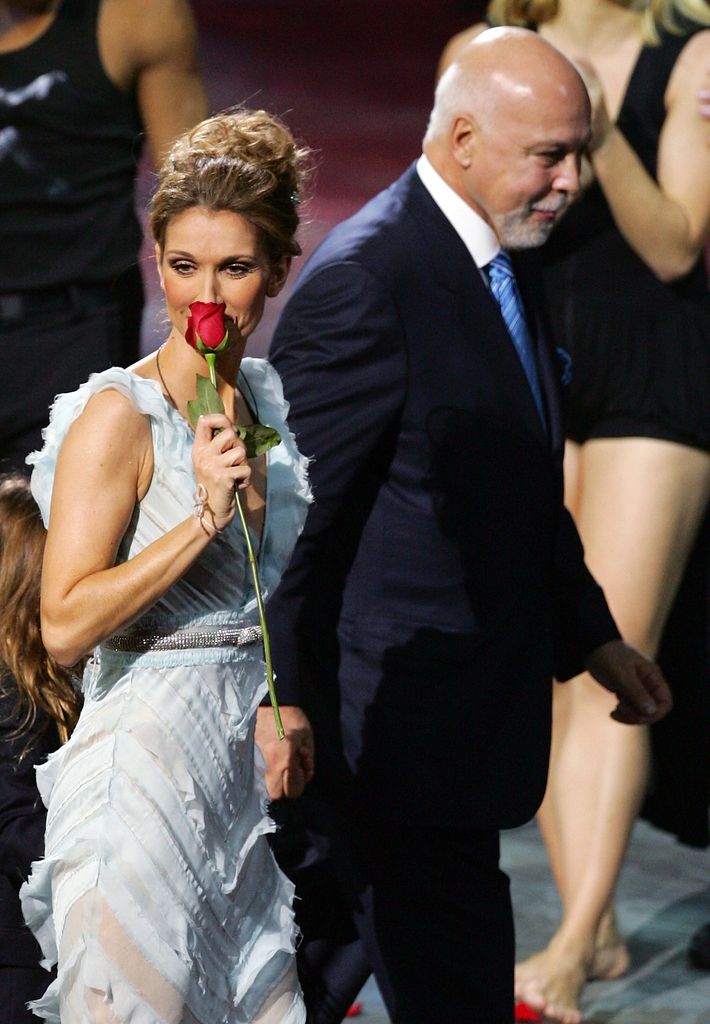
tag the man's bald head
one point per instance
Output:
(501, 66)
(509, 96)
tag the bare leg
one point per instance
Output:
(638, 503)
(610, 958)
(282, 1001)
(104, 964)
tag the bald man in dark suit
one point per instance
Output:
(439, 583)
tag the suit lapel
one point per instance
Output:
(450, 258)
(473, 303)
(527, 274)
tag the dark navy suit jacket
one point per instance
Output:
(437, 555)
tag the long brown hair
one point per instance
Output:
(657, 14)
(41, 684)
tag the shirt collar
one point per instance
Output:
(478, 236)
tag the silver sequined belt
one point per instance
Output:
(142, 640)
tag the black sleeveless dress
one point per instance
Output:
(640, 348)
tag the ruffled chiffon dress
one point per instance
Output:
(158, 894)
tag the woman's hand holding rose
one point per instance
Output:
(220, 461)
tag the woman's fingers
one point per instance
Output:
(207, 424)
(221, 465)
(217, 432)
(232, 448)
(240, 476)
(233, 462)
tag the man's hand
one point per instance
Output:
(644, 695)
(289, 762)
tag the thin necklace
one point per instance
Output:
(166, 389)
(251, 406)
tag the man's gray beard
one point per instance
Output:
(516, 232)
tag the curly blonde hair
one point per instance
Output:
(244, 161)
(41, 684)
(657, 14)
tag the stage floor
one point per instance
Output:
(663, 896)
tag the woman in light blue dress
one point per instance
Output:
(158, 895)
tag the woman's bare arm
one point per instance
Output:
(666, 222)
(104, 468)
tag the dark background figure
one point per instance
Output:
(38, 709)
(438, 578)
(81, 81)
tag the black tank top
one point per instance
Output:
(69, 140)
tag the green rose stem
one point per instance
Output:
(211, 359)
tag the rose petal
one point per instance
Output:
(208, 320)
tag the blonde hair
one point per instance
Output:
(657, 14)
(41, 684)
(244, 161)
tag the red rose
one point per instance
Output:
(206, 330)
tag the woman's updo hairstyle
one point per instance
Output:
(245, 161)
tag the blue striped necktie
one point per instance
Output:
(505, 292)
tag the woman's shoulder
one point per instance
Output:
(117, 398)
(120, 390)
(694, 52)
(690, 69)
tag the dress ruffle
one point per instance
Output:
(143, 393)
(289, 492)
(158, 894)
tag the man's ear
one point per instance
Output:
(159, 264)
(463, 139)
(277, 276)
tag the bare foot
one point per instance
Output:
(551, 982)
(611, 957)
